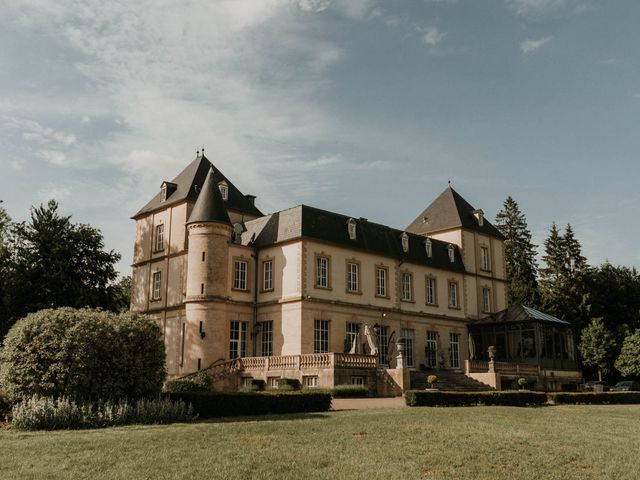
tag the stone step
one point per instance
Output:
(448, 380)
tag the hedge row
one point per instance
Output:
(425, 398)
(350, 391)
(214, 405)
(590, 398)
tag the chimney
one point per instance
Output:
(251, 198)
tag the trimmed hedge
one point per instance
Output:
(200, 382)
(349, 391)
(426, 398)
(590, 398)
(215, 405)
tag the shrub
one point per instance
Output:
(432, 379)
(200, 382)
(522, 382)
(288, 384)
(88, 354)
(590, 398)
(214, 405)
(48, 413)
(422, 398)
(349, 391)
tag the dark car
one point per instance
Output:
(596, 386)
(626, 386)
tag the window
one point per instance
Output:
(163, 192)
(157, 282)
(452, 253)
(159, 245)
(431, 291)
(479, 214)
(357, 380)
(353, 277)
(351, 228)
(381, 281)
(311, 382)
(238, 340)
(267, 275)
(484, 259)
(431, 350)
(272, 382)
(383, 340)
(224, 190)
(454, 348)
(322, 272)
(352, 337)
(407, 287)
(266, 344)
(321, 336)
(408, 336)
(240, 275)
(486, 300)
(428, 247)
(405, 242)
(453, 294)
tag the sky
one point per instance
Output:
(362, 107)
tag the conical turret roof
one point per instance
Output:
(209, 207)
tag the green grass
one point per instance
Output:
(563, 442)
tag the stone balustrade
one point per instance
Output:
(309, 361)
(505, 368)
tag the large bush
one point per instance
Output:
(84, 354)
(591, 398)
(628, 362)
(200, 382)
(518, 398)
(46, 413)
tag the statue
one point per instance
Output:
(372, 339)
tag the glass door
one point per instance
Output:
(454, 346)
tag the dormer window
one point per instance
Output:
(351, 229)
(452, 253)
(479, 214)
(428, 247)
(166, 189)
(163, 192)
(224, 190)
(405, 242)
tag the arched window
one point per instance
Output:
(405, 242)
(428, 247)
(351, 229)
(452, 253)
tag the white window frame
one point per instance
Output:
(381, 281)
(353, 277)
(453, 295)
(352, 229)
(322, 271)
(266, 341)
(454, 346)
(407, 286)
(267, 275)
(357, 380)
(157, 286)
(405, 242)
(428, 247)
(311, 381)
(452, 253)
(224, 190)
(237, 339)
(383, 345)
(486, 299)
(321, 336)
(240, 275)
(484, 259)
(431, 349)
(159, 238)
(408, 336)
(430, 287)
(353, 329)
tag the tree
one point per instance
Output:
(5, 227)
(520, 255)
(55, 263)
(597, 347)
(628, 363)
(576, 263)
(84, 354)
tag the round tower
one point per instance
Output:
(209, 233)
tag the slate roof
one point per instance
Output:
(210, 206)
(314, 223)
(447, 211)
(518, 314)
(190, 181)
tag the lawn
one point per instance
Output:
(563, 442)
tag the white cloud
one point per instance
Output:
(530, 46)
(432, 36)
(538, 8)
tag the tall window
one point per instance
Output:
(157, 282)
(266, 345)
(322, 272)
(352, 335)
(484, 259)
(238, 340)
(408, 336)
(453, 294)
(432, 349)
(381, 281)
(428, 247)
(407, 288)
(159, 246)
(351, 228)
(353, 277)
(405, 242)
(320, 336)
(383, 339)
(267, 275)
(486, 300)
(224, 190)
(431, 290)
(452, 253)
(454, 347)
(240, 275)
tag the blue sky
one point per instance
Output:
(363, 107)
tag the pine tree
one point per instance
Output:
(597, 346)
(554, 276)
(520, 255)
(576, 263)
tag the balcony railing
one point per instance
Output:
(506, 368)
(309, 361)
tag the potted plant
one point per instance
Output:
(432, 380)
(522, 382)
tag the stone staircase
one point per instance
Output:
(448, 381)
